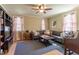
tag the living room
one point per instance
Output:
(39, 29)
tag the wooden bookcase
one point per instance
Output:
(6, 27)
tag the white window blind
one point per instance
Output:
(70, 22)
(43, 24)
(18, 24)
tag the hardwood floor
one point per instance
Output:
(12, 49)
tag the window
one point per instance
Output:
(43, 24)
(70, 22)
(18, 23)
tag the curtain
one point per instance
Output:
(70, 22)
(43, 24)
(18, 27)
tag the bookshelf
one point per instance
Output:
(5, 31)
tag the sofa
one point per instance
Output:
(57, 36)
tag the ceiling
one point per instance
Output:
(26, 9)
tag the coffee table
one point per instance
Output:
(47, 40)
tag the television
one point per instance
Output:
(7, 31)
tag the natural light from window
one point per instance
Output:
(18, 24)
(70, 22)
(43, 24)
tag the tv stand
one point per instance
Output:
(6, 27)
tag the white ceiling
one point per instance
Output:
(26, 9)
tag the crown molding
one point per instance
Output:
(5, 10)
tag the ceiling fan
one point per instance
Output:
(41, 8)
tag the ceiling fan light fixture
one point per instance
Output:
(37, 7)
(41, 10)
(42, 7)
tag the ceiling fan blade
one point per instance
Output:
(48, 9)
(37, 12)
(35, 8)
(45, 12)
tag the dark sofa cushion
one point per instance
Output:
(57, 33)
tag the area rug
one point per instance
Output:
(24, 48)
(35, 48)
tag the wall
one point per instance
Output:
(77, 12)
(33, 23)
(59, 20)
(46, 23)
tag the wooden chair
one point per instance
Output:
(26, 36)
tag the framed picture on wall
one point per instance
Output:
(54, 23)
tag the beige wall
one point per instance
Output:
(46, 24)
(33, 23)
(77, 12)
(59, 20)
